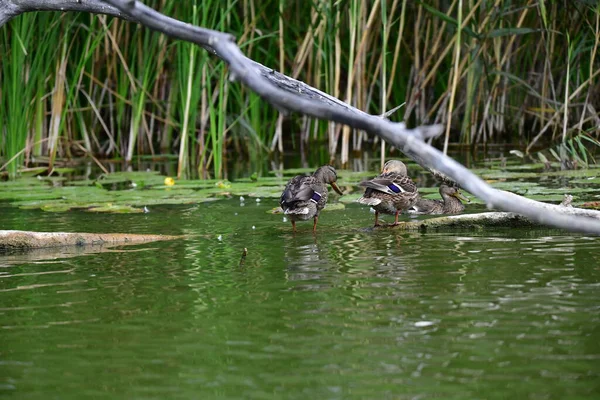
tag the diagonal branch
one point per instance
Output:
(288, 94)
(11, 8)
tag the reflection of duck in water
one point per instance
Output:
(451, 203)
(391, 192)
(305, 196)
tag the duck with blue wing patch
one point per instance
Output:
(305, 196)
(391, 192)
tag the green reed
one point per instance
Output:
(15, 111)
(494, 71)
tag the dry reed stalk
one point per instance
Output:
(455, 73)
(182, 163)
(558, 111)
(566, 104)
(592, 60)
(349, 84)
(307, 42)
(333, 128)
(398, 44)
(204, 115)
(279, 124)
(58, 103)
(249, 17)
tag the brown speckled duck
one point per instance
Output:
(391, 192)
(451, 203)
(305, 196)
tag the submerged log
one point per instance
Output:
(469, 221)
(23, 240)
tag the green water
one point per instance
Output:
(348, 313)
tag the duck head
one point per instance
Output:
(395, 166)
(452, 191)
(326, 174)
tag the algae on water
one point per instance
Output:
(130, 192)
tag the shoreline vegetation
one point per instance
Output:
(78, 84)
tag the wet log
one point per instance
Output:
(23, 240)
(482, 220)
(468, 221)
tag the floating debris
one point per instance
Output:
(220, 238)
(243, 258)
(169, 181)
(567, 200)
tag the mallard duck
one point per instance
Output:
(451, 203)
(305, 196)
(391, 192)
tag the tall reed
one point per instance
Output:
(492, 71)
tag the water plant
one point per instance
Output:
(497, 71)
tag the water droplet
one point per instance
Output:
(422, 324)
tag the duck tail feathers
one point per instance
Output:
(300, 211)
(368, 201)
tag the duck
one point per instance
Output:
(450, 203)
(305, 196)
(391, 192)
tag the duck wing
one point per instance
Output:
(426, 206)
(298, 189)
(391, 184)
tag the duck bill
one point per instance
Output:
(462, 197)
(336, 188)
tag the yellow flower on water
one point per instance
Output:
(169, 181)
(223, 184)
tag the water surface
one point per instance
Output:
(347, 313)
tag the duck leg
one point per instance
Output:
(293, 226)
(396, 218)
(377, 219)
(315, 224)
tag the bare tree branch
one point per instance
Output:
(288, 94)
(12, 8)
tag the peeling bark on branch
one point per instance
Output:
(11, 8)
(288, 94)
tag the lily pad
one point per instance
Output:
(585, 181)
(139, 178)
(350, 198)
(334, 207)
(56, 207)
(115, 208)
